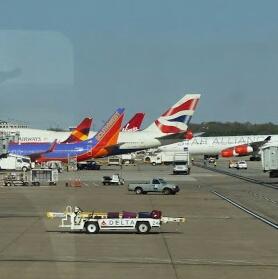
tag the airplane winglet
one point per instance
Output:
(52, 146)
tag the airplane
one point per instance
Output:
(81, 132)
(84, 150)
(134, 124)
(169, 128)
(226, 146)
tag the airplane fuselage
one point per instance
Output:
(128, 141)
(214, 145)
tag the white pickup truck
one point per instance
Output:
(155, 185)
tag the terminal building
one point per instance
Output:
(5, 138)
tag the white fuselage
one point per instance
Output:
(128, 140)
(214, 145)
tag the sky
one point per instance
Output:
(63, 60)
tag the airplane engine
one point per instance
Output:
(243, 149)
(240, 150)
(188, 135)
(229, 152)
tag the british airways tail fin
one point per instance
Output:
(176, 118)
(134, 124)
(81, 132)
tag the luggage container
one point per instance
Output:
(44, 176)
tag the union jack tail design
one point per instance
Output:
(81, 132)
(176, 118)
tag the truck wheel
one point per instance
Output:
(143, 227)
(92, 227)
(166, 191)
(173, 192)
(138, 190)
(24, 169)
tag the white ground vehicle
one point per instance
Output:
(127, 159)
(15, 162)
(232, 164)
(241, 165)
(115, 179)
(181, 163)
(155, 185)
(162, 157)
(93, 221)
(114, 161)
(270, 159)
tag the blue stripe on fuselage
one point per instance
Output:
(62, 150)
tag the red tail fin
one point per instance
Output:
(134, 124)
(81, 132)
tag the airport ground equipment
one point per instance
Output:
(53, 165)
(269, 157)
(166, 157)
(115, 179)
(157, 185)
(128, 159)
(88, 165)
(16, 179)
(114, 161)
(15, 162)
(93, 221)
(44, 176)
(181, 163)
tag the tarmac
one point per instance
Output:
(217, 240)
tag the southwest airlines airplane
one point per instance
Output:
(84, 150)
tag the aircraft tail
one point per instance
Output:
(109, 133)
(176, 118)
(134, 124)
(81, 132)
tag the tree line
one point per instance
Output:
(233, 128)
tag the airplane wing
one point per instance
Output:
(180, 135)
(35, 156)
(256, 145)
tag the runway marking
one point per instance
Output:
(144, 261)
(268, 222)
